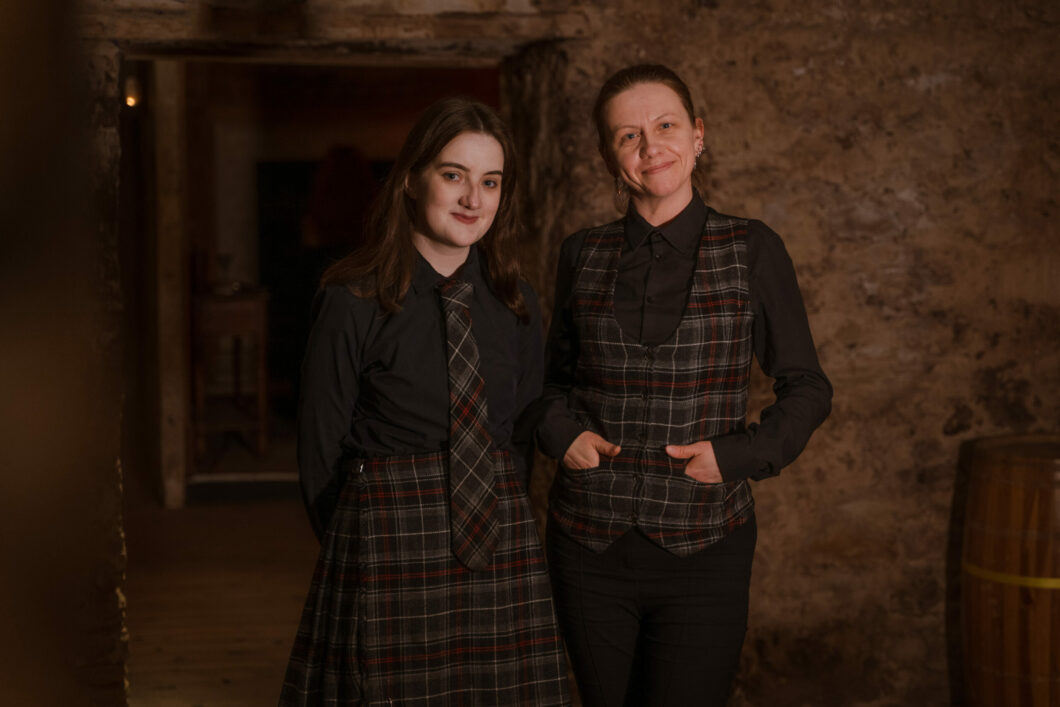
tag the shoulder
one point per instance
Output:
(766, 253)
(761, 241)
(572, 244)
(740, 225)
(338, 305)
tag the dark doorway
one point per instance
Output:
(285, 161)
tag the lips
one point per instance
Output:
(465, 219)
(657, 168)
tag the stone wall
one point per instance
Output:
(908, 153)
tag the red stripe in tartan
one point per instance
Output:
(723, 303)
(405, 494)
(464, 650)
(452, 571)
(652, 383)
(578, 523)
(736, 522)
(728, 303)
(463, 409)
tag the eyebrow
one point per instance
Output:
(457, 165)
(651, 120)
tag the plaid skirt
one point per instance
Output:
(393, 618)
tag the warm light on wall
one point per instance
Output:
(133, 94)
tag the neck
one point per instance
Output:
(660, 210)
(445, 259)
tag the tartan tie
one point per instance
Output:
(472, 496)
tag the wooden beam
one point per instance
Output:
(168, 103)
(185, 23)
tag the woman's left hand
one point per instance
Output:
(702, 465)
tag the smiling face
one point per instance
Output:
(652, 143)
(457, 196)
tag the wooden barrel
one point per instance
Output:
(1011, 573)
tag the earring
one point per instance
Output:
(620, 186)
(699, 151)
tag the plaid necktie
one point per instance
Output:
(472, 496)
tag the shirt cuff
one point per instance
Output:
(736, 458)
(557, 434)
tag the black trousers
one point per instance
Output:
(647, 628)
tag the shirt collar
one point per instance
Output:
(683, 232)
(425, 278)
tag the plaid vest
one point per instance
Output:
(690, 388)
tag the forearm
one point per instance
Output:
(556, 426)
(761, 450)
(329, 392)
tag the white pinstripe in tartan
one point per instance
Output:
(689, 388)
(472, 495)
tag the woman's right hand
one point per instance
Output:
(584, 452)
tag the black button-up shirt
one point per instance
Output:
(654, 279)
(376, 384)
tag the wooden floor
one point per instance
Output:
(215, 591)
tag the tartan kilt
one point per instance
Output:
(393, 618)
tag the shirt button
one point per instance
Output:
(658, 256)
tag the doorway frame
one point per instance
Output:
(395, 43)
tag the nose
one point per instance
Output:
(471, 199)
(648, 145)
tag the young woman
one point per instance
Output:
(651, 522)
(431, 586)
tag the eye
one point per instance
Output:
(491, 183)
(451, 176)
(667, 125)
(627, 137)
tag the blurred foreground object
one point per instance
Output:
(61, 608)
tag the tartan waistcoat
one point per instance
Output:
(690, 388)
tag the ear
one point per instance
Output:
(409, 191)
(698, 132)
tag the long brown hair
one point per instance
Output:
(625, 79)
(382, 267)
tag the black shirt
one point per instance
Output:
(654, 279)
(376, 384)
